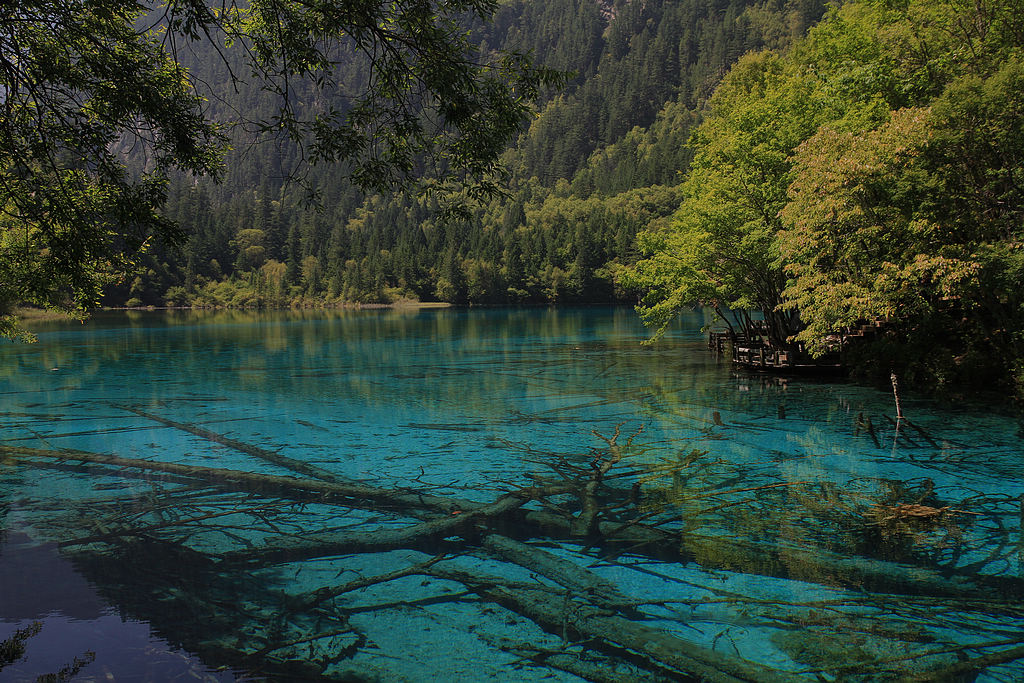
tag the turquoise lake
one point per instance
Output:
(662, 516)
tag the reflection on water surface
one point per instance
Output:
(54, 626)
(498, 494)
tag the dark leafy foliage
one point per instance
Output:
(95, 88)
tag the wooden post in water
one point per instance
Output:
(896, 395)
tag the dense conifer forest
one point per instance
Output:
(603, 159)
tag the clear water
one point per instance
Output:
(790, 538)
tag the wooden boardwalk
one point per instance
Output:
(752, 350)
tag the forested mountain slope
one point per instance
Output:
(603, 159)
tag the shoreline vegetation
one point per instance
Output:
(997, 400)
(355, 305)
(28, 316)
(18, 323)
(27, 313)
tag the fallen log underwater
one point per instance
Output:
(578, 603)
(718, 552)
(590, 595)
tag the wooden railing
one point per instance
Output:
(752, 348)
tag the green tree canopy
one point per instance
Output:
(720, 250)
(872, 172)
(916, 219)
